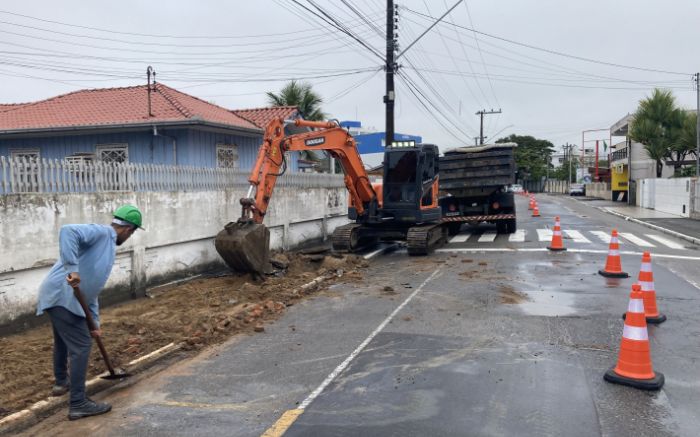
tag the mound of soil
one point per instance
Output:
(199, 312)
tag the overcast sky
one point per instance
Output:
(232, 52)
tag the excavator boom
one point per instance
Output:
(244, 244)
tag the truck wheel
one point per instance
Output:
(501, 227)
(511, 226)
(453, 228)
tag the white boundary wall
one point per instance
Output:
(673, 196)
(178, 241)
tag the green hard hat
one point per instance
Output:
(129, 213)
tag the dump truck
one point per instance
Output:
(474, 187)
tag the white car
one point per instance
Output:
(516, 188)
(577, 190)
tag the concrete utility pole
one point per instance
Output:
(481, 114)
(390, 68)
(697, 126)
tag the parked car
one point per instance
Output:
(516, 188)
(577, 190)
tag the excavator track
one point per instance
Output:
(346, 238)
(421, 239)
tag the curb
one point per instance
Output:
(29, 416)
(651, 226)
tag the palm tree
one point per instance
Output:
(300, 95)
(657, 124)
(685, 143)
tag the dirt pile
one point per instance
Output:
(200, 312)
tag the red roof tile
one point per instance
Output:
(261, 117)
(116, 106)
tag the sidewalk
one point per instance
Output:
(681, 227)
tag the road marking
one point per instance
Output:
(487, 237)
(544, 234)
(636, 240)
(283, 423)
(576, 236)
(461, 238)
(290, 416)
(603, 236)
(544, 249)
(517, 237)
(665, 241)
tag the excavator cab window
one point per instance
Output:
(400, 183)
(427, 168)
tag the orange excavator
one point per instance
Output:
(404, 207)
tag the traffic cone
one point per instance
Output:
(557, 242)
(532, 203)
(634, 366)
(646, 282)
(613, 264)
(536, 211)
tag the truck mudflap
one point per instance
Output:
(478, 218)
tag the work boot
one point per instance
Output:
(87, 409)
(59, 390)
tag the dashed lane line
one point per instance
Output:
(461, 238)
(636, 240)
(290, 416)
(487, 237)
(569, 250)
(666, 241)
(602, 236)
(544, 234)
(576, 236)
(517, 237)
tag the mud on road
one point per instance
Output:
(199, 312)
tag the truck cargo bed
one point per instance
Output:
(479, 170)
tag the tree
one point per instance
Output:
(685, 142)
(658, 125)
(300, 95)
(532, 155)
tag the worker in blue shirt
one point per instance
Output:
(86, 258)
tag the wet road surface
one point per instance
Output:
(481, 338)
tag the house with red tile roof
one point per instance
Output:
(153, 124)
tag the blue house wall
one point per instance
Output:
(195, 147)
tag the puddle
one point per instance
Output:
(548, 303)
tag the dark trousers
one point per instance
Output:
(71, 340)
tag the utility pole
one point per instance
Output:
(697, 127)
(390, 68)
(481, 114)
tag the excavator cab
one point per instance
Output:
(410, 183)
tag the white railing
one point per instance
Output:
(21, 175)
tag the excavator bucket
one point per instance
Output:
(245, 247)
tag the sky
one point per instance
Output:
(546, 64)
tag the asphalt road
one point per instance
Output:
(488, 336)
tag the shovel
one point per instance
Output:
(119, 373)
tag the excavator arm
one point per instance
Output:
(244, 244)
(269, 163)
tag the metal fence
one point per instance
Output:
(21, 175)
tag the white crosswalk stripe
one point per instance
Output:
(603, 236)
(576, 236)
(544, 234)
(665, 241)
(487, 237)
(461, 238)
(517, 237)
(636, 240)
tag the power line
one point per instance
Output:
(554, 52)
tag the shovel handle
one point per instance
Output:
(92, 327)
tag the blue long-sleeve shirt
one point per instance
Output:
(88, 250)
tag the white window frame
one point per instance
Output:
(231, 147)
(34, 175)
(99, 148)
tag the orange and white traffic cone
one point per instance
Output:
(634, 366)
(536, 211)
(613, 264)
(557, 241)
(532, 203)
(646, 282)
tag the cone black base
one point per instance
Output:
(556, 249)
(655, 320)
(613, 274)
(643, 384)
